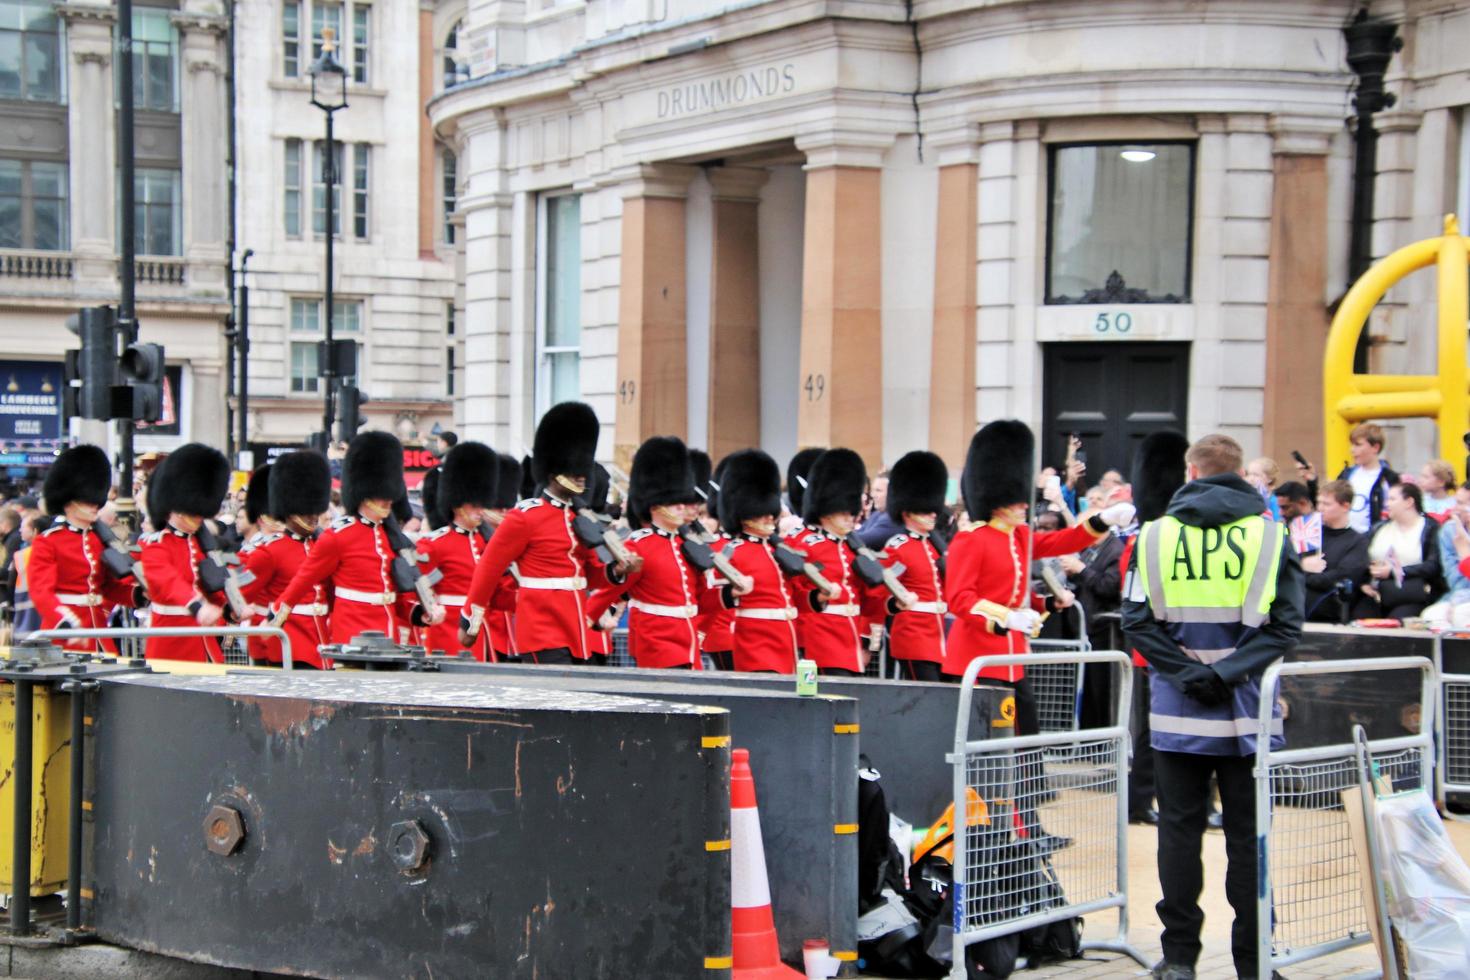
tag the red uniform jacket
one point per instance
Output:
(274, 560)
(765, 619)
(170, 564)
(356, 556)
(454, 551)
(1123, 561)
(832, 631)
(917, 634)
(667, 596)
(553, 569)
(69, 582)
(717, 626)
(986, 562)
(793, 541)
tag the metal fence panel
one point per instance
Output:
(1035, 845)
(1310, 897)
(1453, 736)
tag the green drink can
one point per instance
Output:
(806, 677)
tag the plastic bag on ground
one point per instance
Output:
(1428, 887)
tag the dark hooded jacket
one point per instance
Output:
(1212, 502)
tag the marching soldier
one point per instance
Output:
(185, 491)
(69, 584)
(298, 492)
(750, 503)
(667, 591)
(916, 488)
(796, 528)
(356, 553)
(500, 618)
(832, 628)
(257, 508)
(466, 486)
(554, 567)
(717, 626)
(602, 620)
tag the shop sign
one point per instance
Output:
(30, 404)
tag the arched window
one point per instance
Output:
(454, 73)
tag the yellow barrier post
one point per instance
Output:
(1349, 398)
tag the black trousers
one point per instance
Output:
(918, 670)
(557, 656)
(1184, 802)
(723, 659)
(1141, 773)
(837, 672)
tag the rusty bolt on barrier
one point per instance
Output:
(409, 845)
(223, 830)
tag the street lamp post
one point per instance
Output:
(329, 93)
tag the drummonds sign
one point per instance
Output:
(726, 91)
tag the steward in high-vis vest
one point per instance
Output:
(1214, 596)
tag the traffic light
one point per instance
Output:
(91, 371)
(139, 392)
(349, 412)
(317, 441)
(342, 358)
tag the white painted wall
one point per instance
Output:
(698, 257)
(782, 219)
(910, 191)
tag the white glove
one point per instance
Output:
(1023, 620)
(1118, 515)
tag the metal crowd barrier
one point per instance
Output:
(145, 633)
(1005, 881)
(1058, 687)
(1452, 773)
(1310, 895)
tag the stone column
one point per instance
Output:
(652, 392)
(202, 101)
(498, 245)
(841, 379)
(734, 319)
(952, 357)
(1296, 305)
(90, 111)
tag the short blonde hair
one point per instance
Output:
(1369, 432)
(1215, 454)
(1268, 466)
(1443, 472)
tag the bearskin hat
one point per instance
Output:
(402, 509)
(81, 473)
(796, 476)
(1158, 472)
(713, 489)
(530, 486)
(429, 494)
(750, 487)
(566, 442)
(917, 485)
(192, 480)
(662, 473)
(998, 468)
(595, 499)
(257, 495)
(372, 470)
(471, 473)
(507, 481)
(835, 485)
(300, 485)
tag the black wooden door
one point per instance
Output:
(1112, 395)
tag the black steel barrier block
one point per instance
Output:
(1323, 710)
(400, 826)
(804, 754)
(907, 726)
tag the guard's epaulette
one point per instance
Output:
(530, 502)
(152, 537)
(262, 541)
(436, 534)
(897, 541)
(640, 534)
(816, 537)
(53, 529)
(346, 520)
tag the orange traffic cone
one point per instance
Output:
(756, 949)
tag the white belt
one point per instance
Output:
(453, 600)
(672, 612)
(376, 598)
(310, 609)
(781, 614)
(170, 610)
(937, 608)
(555, 584)
(91, 599)
(849, 610)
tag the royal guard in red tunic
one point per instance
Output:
(716, 627)
(833, 627)
(70, 584)
(795, 528)
(465, 487)
(765, 618)
(554, 567)
(500, 618)
(257, 507)
(357, 554)
(299, 491)
(916, 489)
(602, 620)
(185, 491)
(989, 564)
(666, 594)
